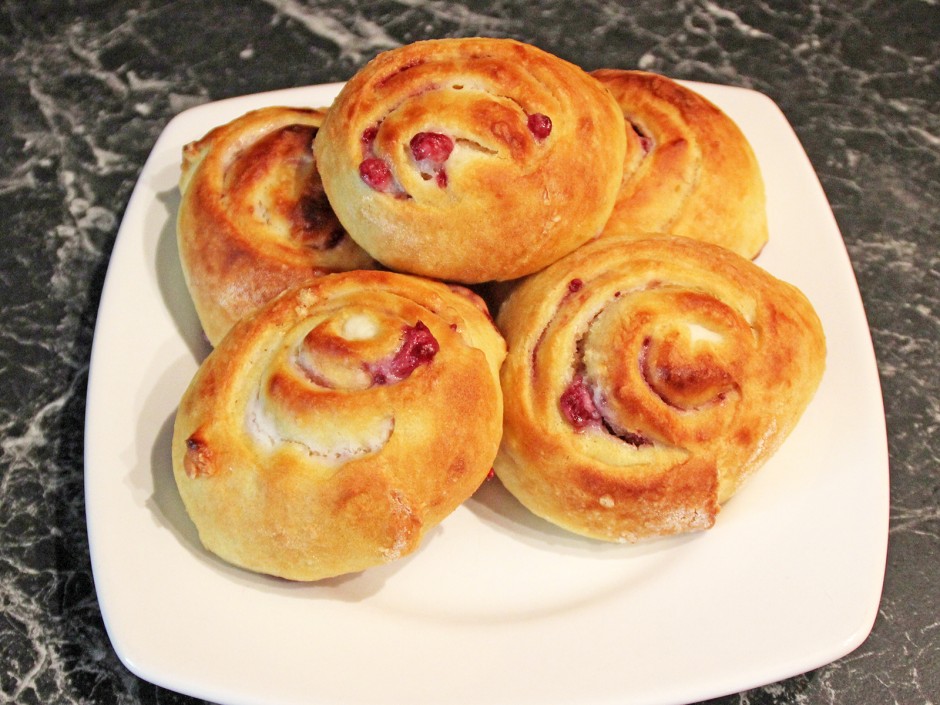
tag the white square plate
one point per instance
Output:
(497, 607)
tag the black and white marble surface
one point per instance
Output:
(86, 87)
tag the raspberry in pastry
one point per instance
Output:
(689, 170)
(646, 379)
(331, 429)
(471, 159)
(253, 219)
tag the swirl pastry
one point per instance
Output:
(689, 170)
(471, 159)
(336, 425)
(646, 379)
(253, 219)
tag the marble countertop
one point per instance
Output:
(88, 86)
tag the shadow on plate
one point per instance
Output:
(172, 283)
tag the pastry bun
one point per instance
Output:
(689, 170)
(645, 380)
(331, 429)
(253, 219)
(471, 159)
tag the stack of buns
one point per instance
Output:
(635, 367)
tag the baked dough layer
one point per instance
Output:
(689, 170)
(646, 379)
(438, 159)
(333, 428)
(253, 217)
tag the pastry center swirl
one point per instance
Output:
(310, 395)
(440, 126)
(656, 356)
(274, 184)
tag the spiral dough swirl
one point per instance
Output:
(330, 430)
(253, 218)
(646, 379)
(471, 159)
(689, 169)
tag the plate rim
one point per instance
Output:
(136, 659)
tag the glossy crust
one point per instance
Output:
(689, 170)
(253, 219)
(504, 202)
(646, 379)
(323, 435)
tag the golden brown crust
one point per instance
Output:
(505, 201)
(331, 429)
(646, 379)
(689, 170)
(253, 219)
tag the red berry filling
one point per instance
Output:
(432, 146)
(540, 125)
(418, 347)
(578, 405)
(431, 150)
(373, 170)
(368, 137)
(575, 285)
(376, 173)
(646, 142)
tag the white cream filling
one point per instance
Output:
(359, 327)
(331, 444)
(701, 333)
